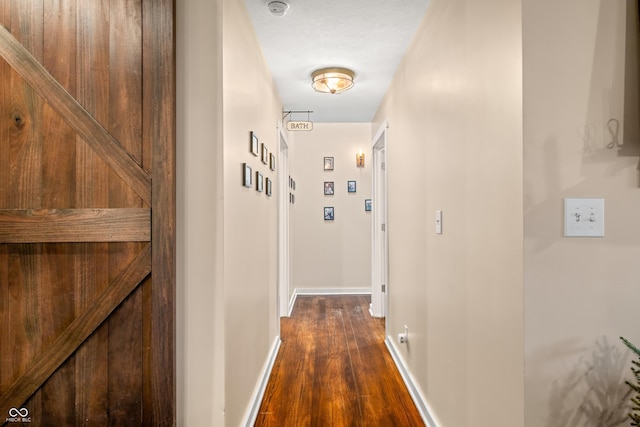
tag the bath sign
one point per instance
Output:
(297, 126)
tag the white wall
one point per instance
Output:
(580, 293)
(455, 144)
(331, 254)
(227, 317)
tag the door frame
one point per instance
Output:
(379, 229)
(284, 306)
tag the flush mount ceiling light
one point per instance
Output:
(332, 80)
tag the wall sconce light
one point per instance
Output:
(360, 159)
(332, 80)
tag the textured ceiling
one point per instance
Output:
(367, 36)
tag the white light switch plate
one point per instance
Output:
(438, 222)
(584, 217)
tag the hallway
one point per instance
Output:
(333, 369)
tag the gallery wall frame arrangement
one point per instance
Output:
(262, 151)
(329, 213)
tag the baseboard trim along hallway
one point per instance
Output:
(258, 393)
(416, 393)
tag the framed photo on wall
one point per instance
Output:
(351, 186)
(328, 163)
(259, 181)
(253, 144)
(367, 205)
(246, 175)
(265, 154)
(328, 188)
(272, 161)
(268, 187)
(328, 213)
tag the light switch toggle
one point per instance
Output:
(438, 222)
(584, 217)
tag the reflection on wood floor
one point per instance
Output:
(333, 369)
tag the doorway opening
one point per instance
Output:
(284, 298)
(379, 239)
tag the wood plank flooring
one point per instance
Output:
(333, 369)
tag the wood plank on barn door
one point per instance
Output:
(125, 116)
(25, 327)
(58, 190)
(92, 57)
(159, 125)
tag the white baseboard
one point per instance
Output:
(332, 291)
(325, 291)
(292, 302)
(256, 399)
(425, 410)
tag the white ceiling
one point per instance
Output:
(367, 36)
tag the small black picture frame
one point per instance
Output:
(254, 146)
(329, 213)
(265, 154)
(328, 163)
(259, 182)
(246, 175)
(268, 191)
(329, 188)
(272, 161)
(367, 205)
(351, 186)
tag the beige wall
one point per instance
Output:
(200, 287)
(331, 254)
(227, 245)
(580, 293)
(455, 144)
(251, 103)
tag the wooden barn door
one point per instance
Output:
(87, 212)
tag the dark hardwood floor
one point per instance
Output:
(333, 369)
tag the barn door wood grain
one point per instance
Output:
(87, 212)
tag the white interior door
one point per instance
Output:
(283, 228)
(379, 247)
